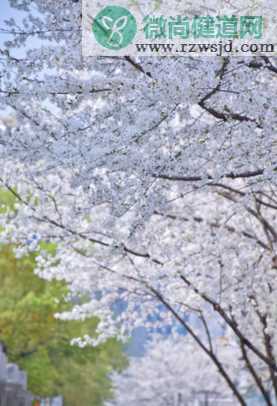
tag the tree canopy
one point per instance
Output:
(40, 344)
(156, 179)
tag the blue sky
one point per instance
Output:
(5, 11)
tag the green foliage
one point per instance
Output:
(7, 201)
(40, 344)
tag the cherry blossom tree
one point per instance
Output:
(156, 177)
(168, 375)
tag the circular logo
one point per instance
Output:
(114, 27)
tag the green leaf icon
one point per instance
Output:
(114, 27)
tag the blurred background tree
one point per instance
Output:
(40, 344)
